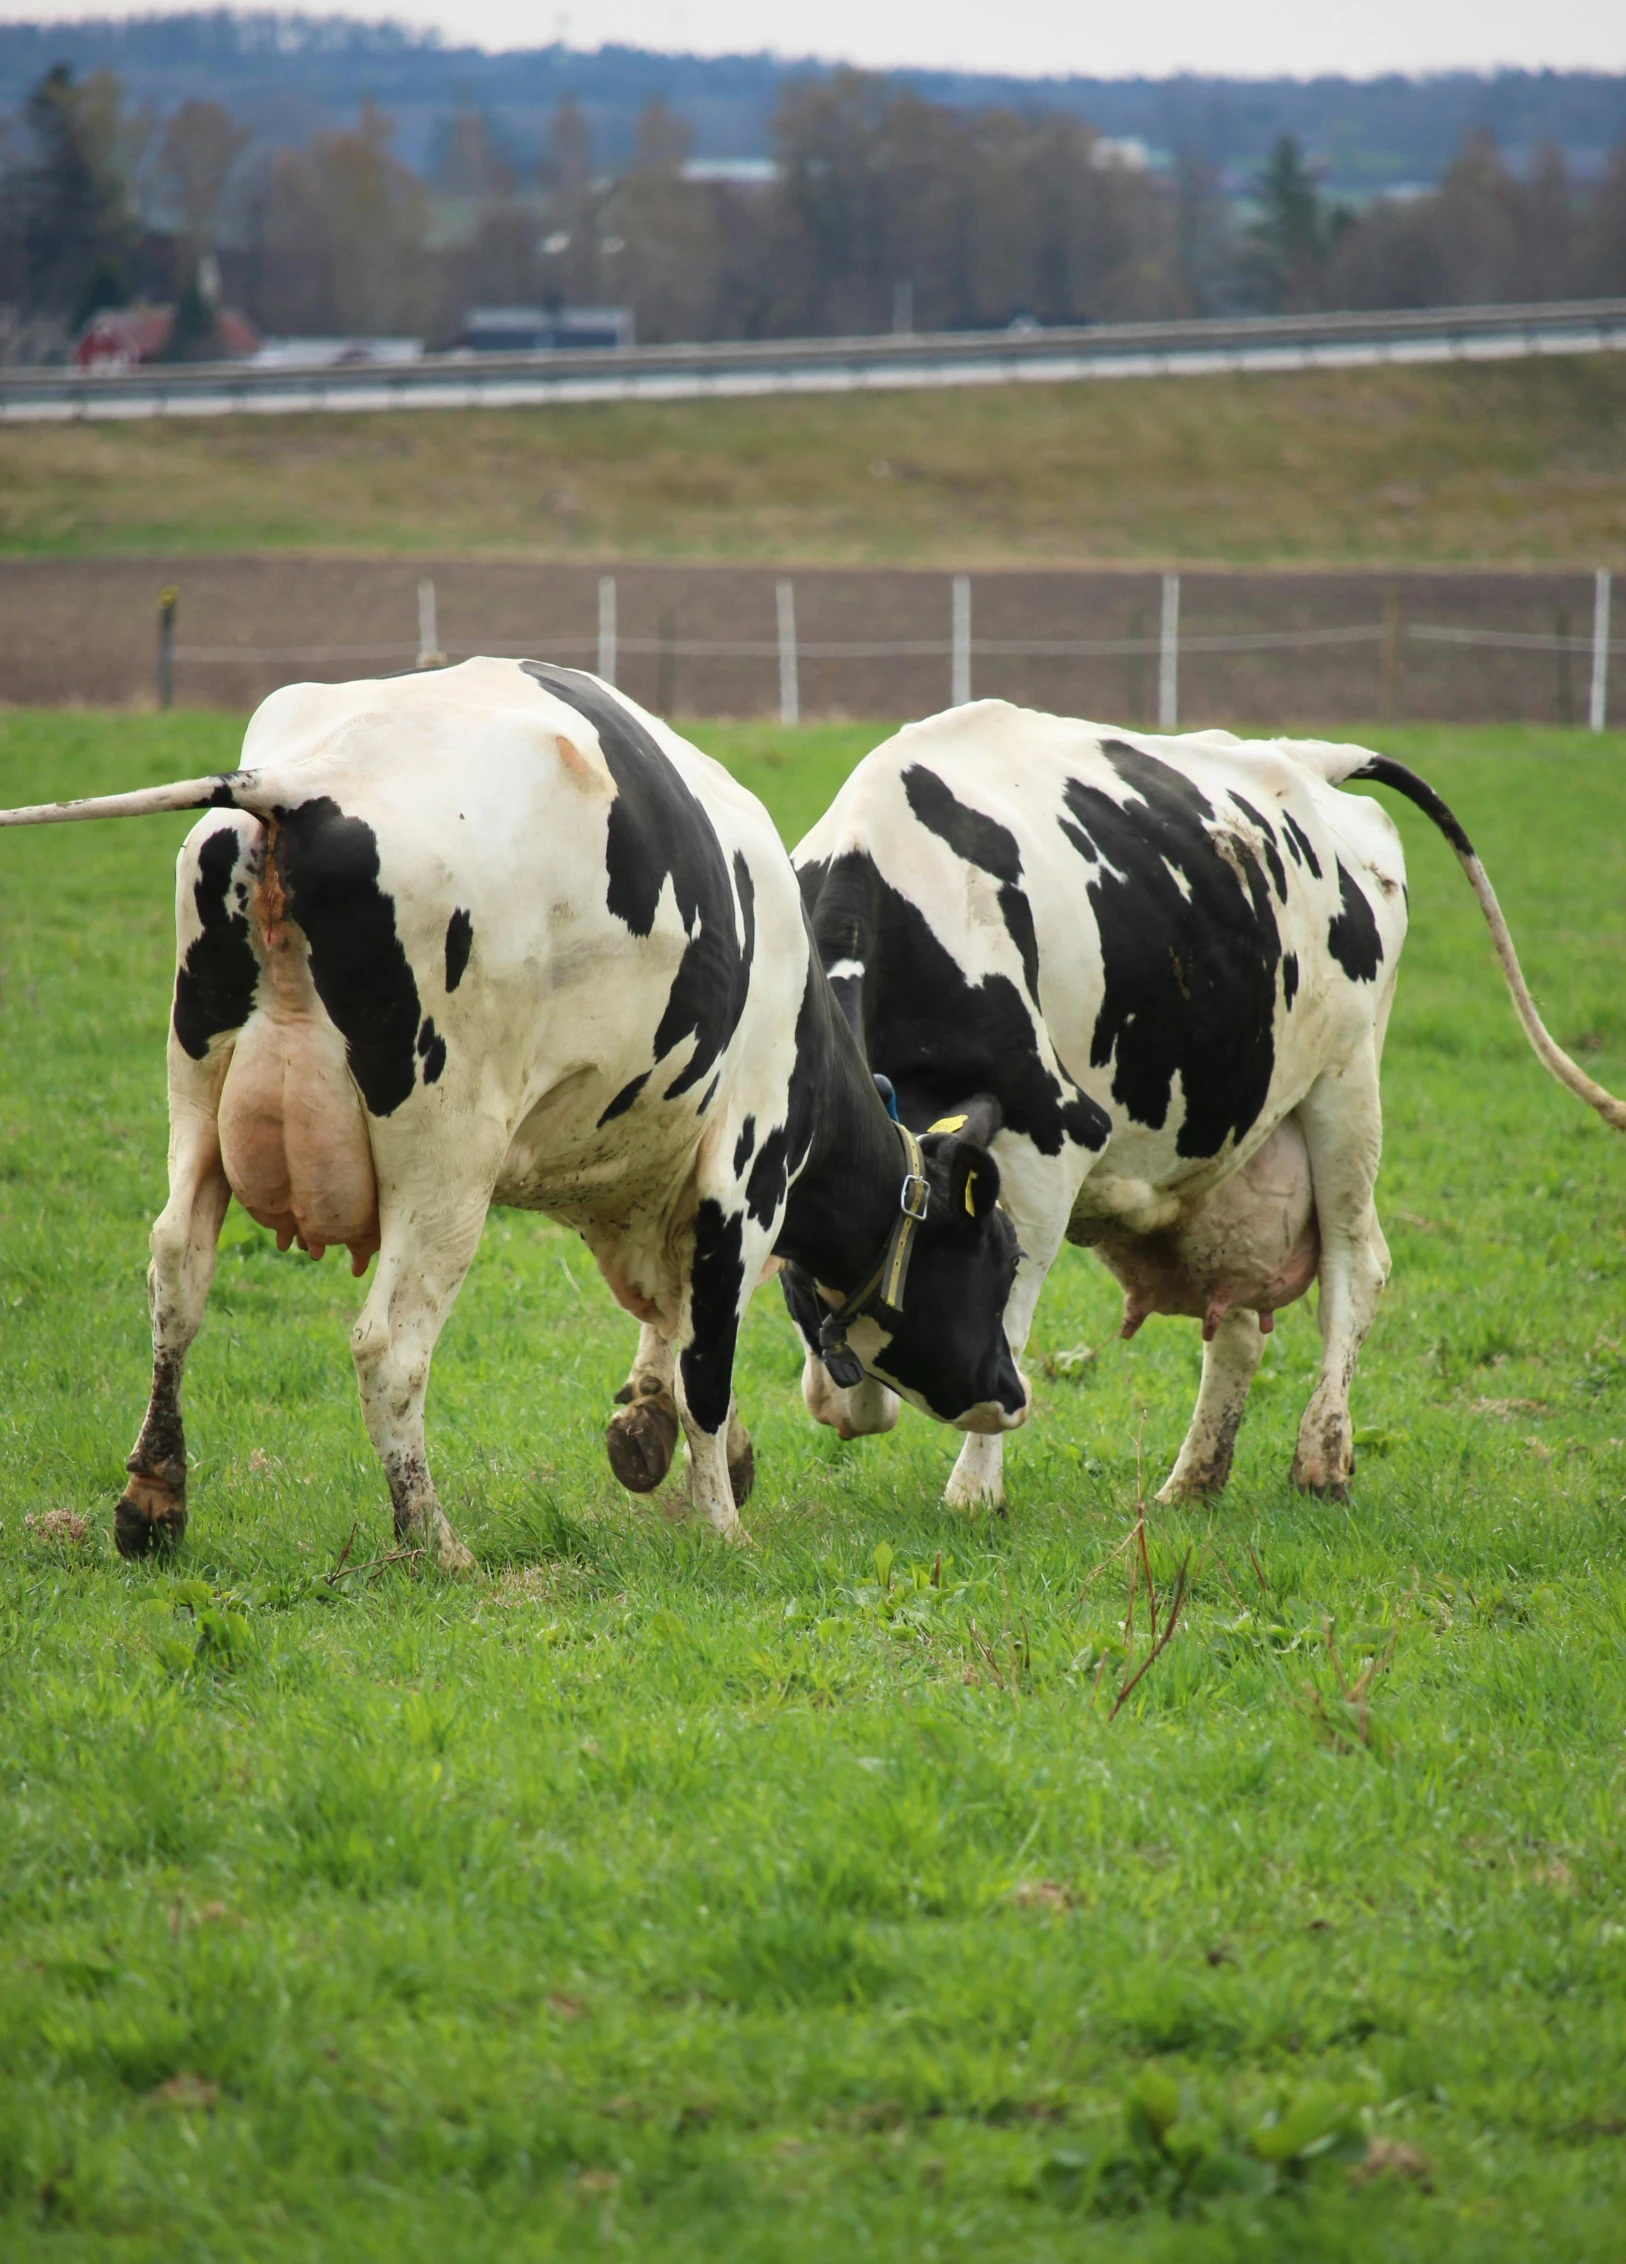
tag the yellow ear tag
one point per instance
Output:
(970, 1182)
(945, 1124)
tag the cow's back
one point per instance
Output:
(1181, 931)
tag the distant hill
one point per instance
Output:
(286, 75)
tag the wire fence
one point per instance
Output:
(960, 648)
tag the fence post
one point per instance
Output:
(429, 652)
(168, 597)
(1600, 648)
(790, 690)
(606, 627)
(1168, 657)
(960, 651)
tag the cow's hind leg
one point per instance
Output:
(152, 1510)
(1343, 1127)
(425, 1252)
(1230, 1359)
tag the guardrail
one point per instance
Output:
(825, 365)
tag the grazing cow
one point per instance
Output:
(1168, 965)
(494, 934)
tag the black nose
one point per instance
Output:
(1009, 1392)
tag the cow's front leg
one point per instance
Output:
(1343, 1129)
(978, 1477)
(729, 1251)
(642, 1439)
(425, 1251)
(152, 1510)
(1230, 1359)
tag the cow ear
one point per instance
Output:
(973, 1181)
(977, 1122)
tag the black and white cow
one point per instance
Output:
(494, 934)
(1163, 967)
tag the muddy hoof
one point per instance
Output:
(640, 1443)
(150, 1516)
(742, 1475)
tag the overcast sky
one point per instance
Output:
(1240, 38)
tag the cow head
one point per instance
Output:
(946, 1351)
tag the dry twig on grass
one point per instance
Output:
(1162, 1642)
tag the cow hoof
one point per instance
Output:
(640, 1443)
(150, 1516)
(1322, 1489)
(742, 1475)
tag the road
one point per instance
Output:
(826, 365)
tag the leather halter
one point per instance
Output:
(884, 1285)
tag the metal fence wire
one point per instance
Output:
(789, 654)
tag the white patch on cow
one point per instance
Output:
(1179, 879)
(846, 971)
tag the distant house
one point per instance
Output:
(121, 338)
(544, 330)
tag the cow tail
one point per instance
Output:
(226, 790)
(1385, 772)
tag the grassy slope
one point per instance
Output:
(1483, 464)
(636, 1896)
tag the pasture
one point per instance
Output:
(1480, 464)
(637, 1897)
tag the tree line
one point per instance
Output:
(883, 210)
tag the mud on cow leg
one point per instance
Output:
(742, 1462)
(151, 1512)
(1230, 1359)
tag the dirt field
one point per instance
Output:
(83, 631)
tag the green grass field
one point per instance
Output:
(1484, 464)
(637, 1897)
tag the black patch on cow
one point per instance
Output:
(659, 831)
(1273, 857)
(1352, 933)
(744, 1144)
(938, 1036)
(1299, 842)
(710, 1094)
(214, 984)
(765, 1189)
(459, 943)
(220, 797)
(625, 1098)
(983, 842)
(328, 864)
(784, 1150)
(1290, 978)
(431, 1051)
(716, 1279)
(1189, 978)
